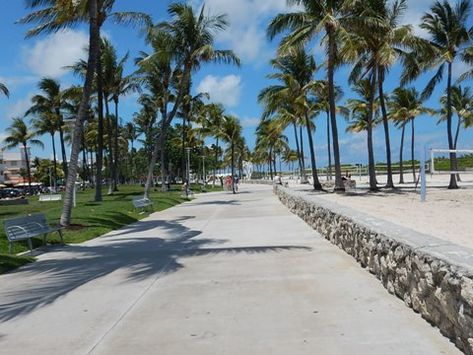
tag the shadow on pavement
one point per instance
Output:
(142, 253)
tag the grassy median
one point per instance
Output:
(89, 219)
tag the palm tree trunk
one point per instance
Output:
(270, 156)
(91, 157)
(111, 172)
(316, 183)
(339, 186)
(413, 164)
(54, 161)
(303, 174)
(115, 144)
(329, 148)
(457, 134)
(94, 40)
(401, 150)
(369, 128)
(453, 156)
(63, 147)
(28, 168)
(84, 159)
(297, 147)
(162, 144)
(233, 167)
(216, 161)
(100, 131)
(152, 164)
(389, 183)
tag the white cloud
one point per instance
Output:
(224, 90)
(414, 13)
(250, 122)
(15, 81)
(246, 34)
(47, 57)
(19, 107)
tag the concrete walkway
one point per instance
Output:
(224, 274)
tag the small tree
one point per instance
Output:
(20, 135)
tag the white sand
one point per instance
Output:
(447, 214)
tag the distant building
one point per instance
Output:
(13, 164)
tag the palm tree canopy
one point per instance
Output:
(19, 134)
(51, 16)
(449, 38)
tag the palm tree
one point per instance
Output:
(363, 112)
(51, 102)
(195, 35)
(131, 134)
(322, 104)
(405, 104)
(4, 90)
(447, 25)
(19, 134)
(46, 123)
(292, 95)
(331, 17)
(230, 132)
(180, 47)
(380, 43)
(462, 105)
(215, 116)
(270, 138)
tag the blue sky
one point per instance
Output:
(24, 62)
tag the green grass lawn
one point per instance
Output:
(89, 219)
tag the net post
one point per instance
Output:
(423, 182)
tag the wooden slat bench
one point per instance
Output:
(27, 227)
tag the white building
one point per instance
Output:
(13, 163)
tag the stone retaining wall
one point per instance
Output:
(432, 276)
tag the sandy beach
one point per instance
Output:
(447, 214)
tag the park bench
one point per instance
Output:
(27, 227)
(45, 198)
(142, 203)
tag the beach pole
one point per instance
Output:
(423, 182)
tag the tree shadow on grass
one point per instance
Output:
(138, 250)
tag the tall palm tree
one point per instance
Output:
(294, 91)
(270, 138)
(380, 43)
(131, 134)
(363, 112)
(230, 132)
(333, 18)
(18, 134)
(46, 123)
(405, 104)
(215, 116)
(449, 36)
(51, 102)
(462, 105)
(51, 19)
(322, 105)
(181, 46)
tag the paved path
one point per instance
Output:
(223, 274)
